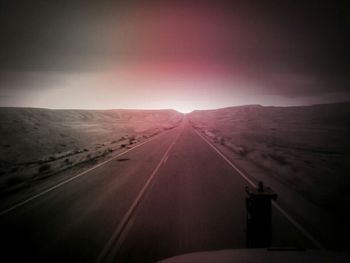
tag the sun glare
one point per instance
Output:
(183, 109)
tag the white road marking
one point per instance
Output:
(73, 178)
(120, 233)
(306, 233)
(165, 159)
(227, 160)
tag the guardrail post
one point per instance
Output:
(259, 225)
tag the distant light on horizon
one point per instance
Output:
(114, 91)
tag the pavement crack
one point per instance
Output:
(123, 159)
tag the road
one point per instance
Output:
(172, 195)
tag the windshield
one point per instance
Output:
(136, 131)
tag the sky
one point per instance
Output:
(184, 55)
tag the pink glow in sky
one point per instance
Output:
(172, 54)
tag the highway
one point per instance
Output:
(172, 195)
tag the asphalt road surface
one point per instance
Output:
(174, 194)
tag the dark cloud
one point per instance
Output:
(50, 35)
(291, 48)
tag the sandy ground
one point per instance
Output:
(36, 143)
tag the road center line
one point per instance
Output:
(165, 159)
(7, 210)
(306, 233)
(111, 248)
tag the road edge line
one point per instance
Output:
(19, 204)
(291, 220)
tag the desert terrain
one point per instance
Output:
(37, 143)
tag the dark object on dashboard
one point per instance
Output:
(259, 225)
